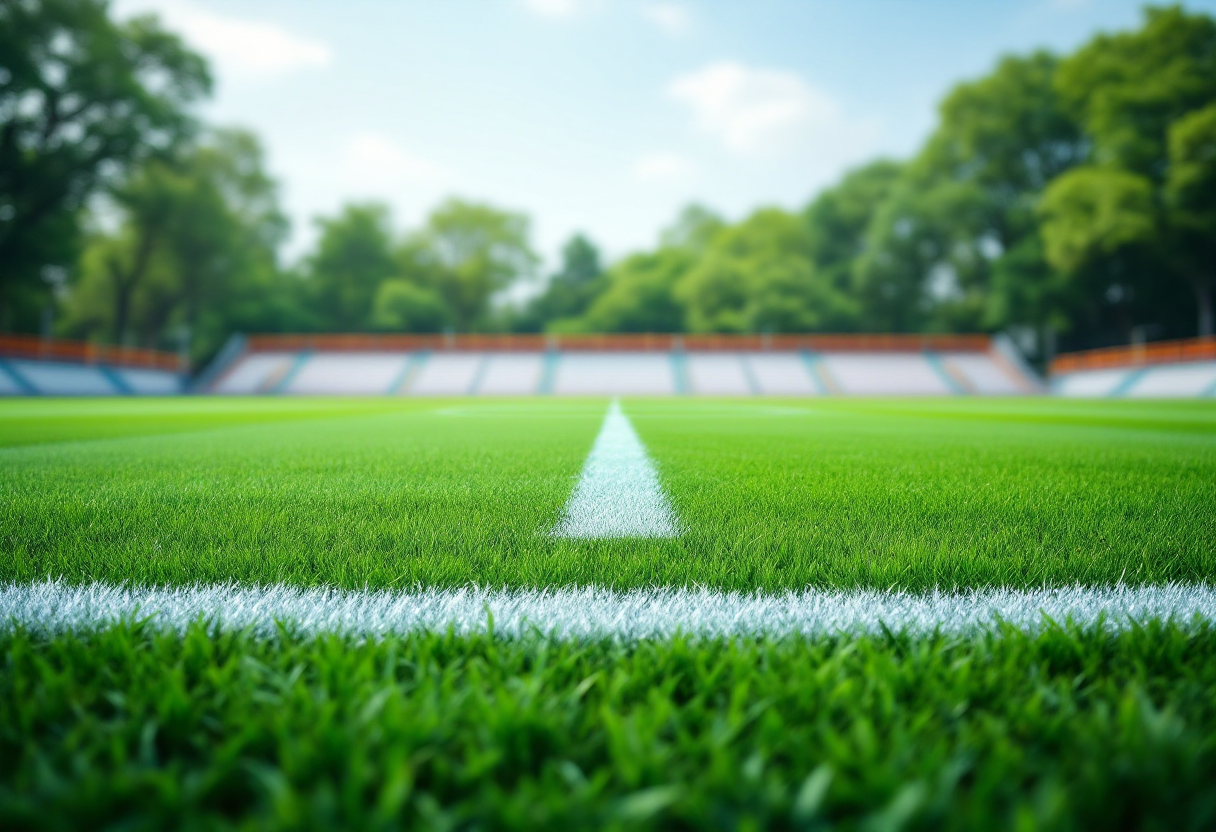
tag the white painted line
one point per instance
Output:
(591, 612)
(618, 493)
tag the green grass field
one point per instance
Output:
(1066, 730)
(1071, 727)
(772, 496)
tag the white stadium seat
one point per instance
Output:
(150, 382)
(782, 374)
(9, 385)
(1177, 380)
(440, 372)
(982, 373)
(882, 374)
(452, 374)
(1091, 383)
(512, 374)
(51, 378)
(721, 374)
(355, 373)
(256, 373)
(615, 374)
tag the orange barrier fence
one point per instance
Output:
(617, 343)
(1137, 355)
(46, 349)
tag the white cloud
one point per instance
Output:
(239, 47)
(372, 162)
(672, 18)
(655, 167)
(755, 111)
(553, 8)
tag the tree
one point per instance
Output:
(402, 306)
(1128, 88)
(82, 101)
(693, 230)
(148, 202)
(1142, 97)
(925, 261)
(1010, 133)
(226, 234)
(760, 276)
(1099, 229)
(954, 245)
(1089, 212)
(570, 290)
(640, 296)
(355, 254)
(475, 252)
(1190, 205)
(105, 302)
(196, 248)
(580, 262)
(838, 218)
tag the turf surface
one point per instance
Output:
(133, 729)
(771, 495)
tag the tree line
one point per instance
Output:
(1068, 200)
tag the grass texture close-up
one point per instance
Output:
(129, 728)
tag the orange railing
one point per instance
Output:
(47, 349)
(650, 342)
(1137, 355)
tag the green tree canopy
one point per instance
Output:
(760, 275)
(404, 306)
(83, 99)
(639, 296)
(196, 248)
(954, 244)
(355, 254)
(693, 230)
(570, 290)
(1137, 213)
(1090, 212)
(1128, 88)
(477, 251)
(1190, 200)
(839, 217)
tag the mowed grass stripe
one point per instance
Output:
(771, 496)
(55, 607)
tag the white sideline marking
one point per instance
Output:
(618, 494)
(592, 612)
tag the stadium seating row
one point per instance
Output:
(24, 377)
(1182, 380)
(621, 373)
(646, 365)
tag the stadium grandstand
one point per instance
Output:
(595, 365)
(31, 366)
(1166, 369)
(648, 365)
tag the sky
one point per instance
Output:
(597, 116)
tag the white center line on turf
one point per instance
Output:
(595, 612)
(618, 493)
